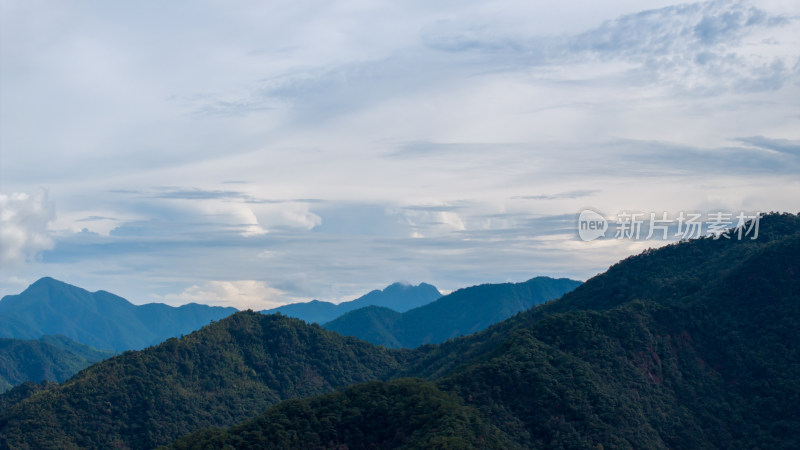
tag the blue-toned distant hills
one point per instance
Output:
(398, 297)
(462, 312)
(99, 319)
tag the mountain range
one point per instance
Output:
(462, 312)
(98, 319)
(398, 297)
(692, 345)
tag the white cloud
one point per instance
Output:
(24, 220)
(427, 223)
(287, 215)
(241, 294)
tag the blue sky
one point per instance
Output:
(258, 153)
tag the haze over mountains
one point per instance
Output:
(693, 345)
(99, 319)
(399, 297)
(104, 320)
(462, 312)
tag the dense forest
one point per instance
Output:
(405, 413)
(219, 375)
(53, 358)
(693, 345)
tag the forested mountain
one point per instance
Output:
(694, 345)
(86, 352)
(398, 297)
(99, 319)
(405, 413)
(222, 374)
(53, 358)
(462, 312)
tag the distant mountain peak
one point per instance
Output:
(404, 285)
(399, 296)
(461, 312)
(50, 281)
(100, 319)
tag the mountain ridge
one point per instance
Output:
(100, 319)
(689, 346)
(461, 312)
(696, 364)
(397, 296)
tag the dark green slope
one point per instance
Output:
(669, 275)
(53, 358)
(219, 375)
(717, 369)
(462, 312)
(86, 352)
(406, 413)
(99, 319)
(398, 297)
(709, 360)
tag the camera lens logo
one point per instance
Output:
(591, 225)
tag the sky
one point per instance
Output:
(253, 154)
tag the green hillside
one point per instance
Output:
(406, 413)
(219, 375)
(52, 358)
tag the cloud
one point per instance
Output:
(700, 48)
(677, 159)
(346, 131)
(427, 223)
(452, 150)
(180, 212)
(198, 194)
(241, 294)
(786, 146)
(96, 219)
(561, 195)
(24, 220)
(666, 31)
